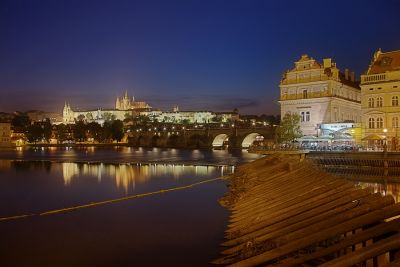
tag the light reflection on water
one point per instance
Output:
(386, 189)
(128, 175)
(149, 231)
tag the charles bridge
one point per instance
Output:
(232, 137)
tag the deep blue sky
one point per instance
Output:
(202, 55)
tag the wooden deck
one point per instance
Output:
(286, 212)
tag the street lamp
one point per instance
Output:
(385, 140)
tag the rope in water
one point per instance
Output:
(109, 201)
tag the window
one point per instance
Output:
(395, 101)
(371, 123)
(304, 93)
(307, 116)
(386, 61)
(395, 122)
(379, 123)
(302, 117)
(370, 102)
(379, 102)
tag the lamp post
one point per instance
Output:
(385, 141)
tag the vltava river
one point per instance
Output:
(179, 228)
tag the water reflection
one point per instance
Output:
(385, 189)
(128, 175)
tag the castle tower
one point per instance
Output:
(117, 104)
(68, 114)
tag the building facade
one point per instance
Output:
(128, 107)
(5, 134)
(380, 98)
(320, 94)
(99, 115)
(127, 103)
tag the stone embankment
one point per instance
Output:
(286, 212)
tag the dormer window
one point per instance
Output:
(304, 93)
(386, 61)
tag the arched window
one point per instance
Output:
(379, 102)
(395, 101)
(395, 122)
(379, 123)
(371, 123)
(370, 102)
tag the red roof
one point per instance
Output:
(388, 61)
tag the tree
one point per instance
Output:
(81, 117)
(289, 129)
(117, 131)
(47, 129)
(79, 131)
(34, 133)
(95, 131)
(64, 132)
(21, 123)
(108, 116)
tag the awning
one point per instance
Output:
(373, 137)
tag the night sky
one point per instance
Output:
(202, 55)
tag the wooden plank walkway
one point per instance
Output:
(286, 212)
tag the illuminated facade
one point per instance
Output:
(5, 134)
(99, 115)
(380, 97)
(320, 94)
(126, 103)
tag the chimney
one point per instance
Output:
(352, 76)
(346, 74)
(327, 63)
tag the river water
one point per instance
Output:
(179, 228)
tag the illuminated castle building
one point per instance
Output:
(124, 106)
(126, 103)
(320, 94)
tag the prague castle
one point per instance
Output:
(125, 103)
(127, 107)
(124, 106)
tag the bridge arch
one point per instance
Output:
(250, 138)
(219, 140)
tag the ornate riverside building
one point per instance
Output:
(320, 94)
(380, 98)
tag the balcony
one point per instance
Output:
(381, 77)
(304, 80)
(373, 78)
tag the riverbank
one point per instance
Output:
(286, 212)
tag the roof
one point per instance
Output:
(385, 61)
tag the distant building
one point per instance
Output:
(380, 98)
(5, 134)
(127, 103)
(320, 94)
(185, 117)
(70, 116)
(124, 107)
(128, 107)
(38, 116)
